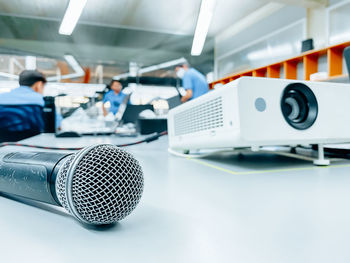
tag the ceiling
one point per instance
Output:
(116, 32)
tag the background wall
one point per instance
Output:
(268, 41)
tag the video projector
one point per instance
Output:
(255, 112)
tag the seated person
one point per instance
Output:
(115, 97)
(21, 109)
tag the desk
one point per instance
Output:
(227, 208)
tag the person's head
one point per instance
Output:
(116, 86)
(181, 70)
(34, 79)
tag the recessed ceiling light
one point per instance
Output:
(71, 17)
(205, 15)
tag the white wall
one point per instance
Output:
(339, 22)
(223, 48)
(231, 53)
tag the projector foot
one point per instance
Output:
(321, 161)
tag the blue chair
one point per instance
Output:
(18, 122)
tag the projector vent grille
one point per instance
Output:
(205, 116)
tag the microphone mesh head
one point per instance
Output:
(100, 184)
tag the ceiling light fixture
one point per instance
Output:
(71, 17)
(163, 65)
(8, 75)
(141, 71)
(74, 64)
(204, 18)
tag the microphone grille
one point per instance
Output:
(100, 184)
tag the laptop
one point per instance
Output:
(174, 101)
(132, 112)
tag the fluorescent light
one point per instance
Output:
(71, 17)
(8, 75)
(74, 64)
(205, 15)
(163, 65)
(154, 67)
(171, 63)
(120, 76)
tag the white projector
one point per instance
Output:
(255, 112)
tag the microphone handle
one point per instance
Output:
(31, 175)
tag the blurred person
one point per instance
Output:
(21, 109)
(115, 97)
(193, 82)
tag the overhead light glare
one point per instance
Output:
(204, 19)
(74, 64)
(167, 64)
(71, 17)
(163, 65)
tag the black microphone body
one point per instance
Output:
(100, 184)
(31, 175)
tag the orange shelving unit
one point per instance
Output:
(290, 66)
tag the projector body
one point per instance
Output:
(255, 112)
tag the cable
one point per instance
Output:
(146, 140)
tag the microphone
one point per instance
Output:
(100, 184)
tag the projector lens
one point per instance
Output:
(299, 106)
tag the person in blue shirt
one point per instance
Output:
(193, 82)
(21, 109)
(115, 97)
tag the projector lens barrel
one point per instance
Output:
(299, 106)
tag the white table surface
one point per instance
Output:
(227, 208)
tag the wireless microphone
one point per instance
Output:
(100, 184)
